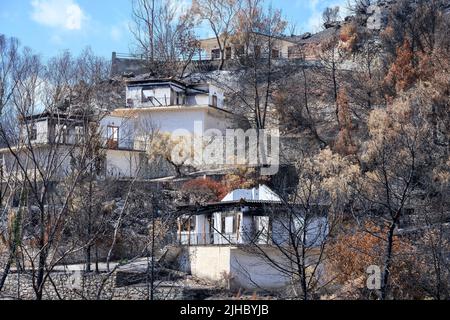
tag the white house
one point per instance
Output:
(152, 105)
(218, 237)
(165, 106)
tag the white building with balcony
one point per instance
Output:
(228, 237)
(151, 106)
(164, 106)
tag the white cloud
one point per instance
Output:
(65, 14)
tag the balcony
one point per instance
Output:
(219, 239)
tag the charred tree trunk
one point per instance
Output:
(388, 262)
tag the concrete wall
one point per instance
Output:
(122, 164)
(198, 99)
(62, 161)
(120, 66)
(169, 119)
(208, 262)
(252, 271)
(246, 270)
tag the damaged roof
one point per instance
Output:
(212, 207)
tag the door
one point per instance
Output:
(113, 137)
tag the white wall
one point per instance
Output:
(261, 193)
(247, 228)
(209, 262)
(220, 120)
(122, 164)
(134, 93)
(42, 131)
(60, 169)
(316, 230)
(170, 119)
(198, 99)
(213, 90)
(252, 271)
(126, 130)
(248, 271)
(163, 94)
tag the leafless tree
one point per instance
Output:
(391, 182)
(164, 36)
(221, 18)
(431, 221)
(258, 74)
(296, 103)
(330, 16)
(331, 58)
(359, 7)
(64, 92)
(300, 228)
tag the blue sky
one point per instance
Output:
(51, 26)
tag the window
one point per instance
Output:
(214, 100)
(61, 133)
(148, 96)
(33, 132)
(187, 224)
(79, 134)
(275, 53)
(180, 100)
(113, 137)
(229, 224)
(215, 54)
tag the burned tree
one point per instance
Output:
(164, 36)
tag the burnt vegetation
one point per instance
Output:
(364, 119)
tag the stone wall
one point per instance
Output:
(71, 287)
(120, 286)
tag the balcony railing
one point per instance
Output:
(216, 238)
(209, 57)
(79, 140)
(219, 239)
(204, 56)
